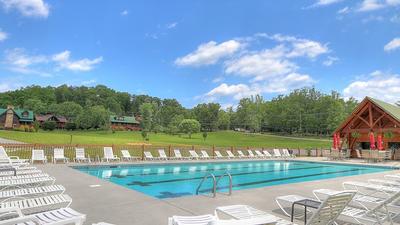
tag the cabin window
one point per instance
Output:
(25, 114)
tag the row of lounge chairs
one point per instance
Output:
(29, 196)
(369, 203)
(218, 155)
(80, 156)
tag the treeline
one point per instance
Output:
(303, 111)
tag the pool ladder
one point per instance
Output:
(215, 183)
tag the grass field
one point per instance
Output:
(220, 139)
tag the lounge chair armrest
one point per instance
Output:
(14, 157)
(21, 219)
(6, 211)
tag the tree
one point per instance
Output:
(207, 115)
(49, 125)
(173, 126)
(189, 126)
(35, 105)
(147, 114)
(205, 135)
(224, 120)
(94, 117)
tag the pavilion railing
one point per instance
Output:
(95, 152)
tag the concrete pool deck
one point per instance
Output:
(103, 201)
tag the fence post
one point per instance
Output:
(213, 151)
(142, 152)
(232, 149)
(169, 151)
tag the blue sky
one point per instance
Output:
(202, 51)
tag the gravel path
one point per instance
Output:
(8, 141)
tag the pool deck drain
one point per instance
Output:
(115, 204)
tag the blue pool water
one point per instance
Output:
(176, 180)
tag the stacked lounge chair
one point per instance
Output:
(327, 213)
(32, 198)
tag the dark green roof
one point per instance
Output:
(19, 113)
(123, 119)
(392, 110)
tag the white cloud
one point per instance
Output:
(344, 10)
(324, 3)
(261, 65)
(171, 25)
(288, 82)
(392, 45)
(330, 61)
(302, 47)
(218, 79)
(383, 86)
(236, 91)
(88, 82)
(63, 60)
(372, 5)
(124, 13)
(209, 53)
(29, 8)
(3, 35)
(19, 61)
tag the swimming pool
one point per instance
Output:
(176, 180)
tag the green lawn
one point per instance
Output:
(220, 139)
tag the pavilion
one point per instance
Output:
(374, 124)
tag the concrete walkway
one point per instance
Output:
(9, 141)
(104, 201)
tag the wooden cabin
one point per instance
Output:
(12, 118)
(60, 120)
(127, 122)
(371, 116)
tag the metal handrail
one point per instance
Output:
(230, 181)
(214, 189)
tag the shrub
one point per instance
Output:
(36, 126)
(26, 128)
(49, 125)
(70, 126)
(32, 129)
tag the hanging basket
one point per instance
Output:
(355, 135)
(388, 135)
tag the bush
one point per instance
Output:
(49, 125)
(36, 126)
(32, 129)
(70, 126)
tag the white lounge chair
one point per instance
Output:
(193, 154)
(80, 155)
(327, 212)
(241, 154)
(31, 192)
(61, 216)
(39, 204)
(27, 176)
(378, 215)
(277, 153)
(148, 155)
(218, 155)
(267, 154)
(259, 154)
(362, 201)
(230, 154)
(127, 156)
(370, 189)
(18, 172)
(58, 154)
(192, 220)
(251, 154)
(178, 154)
(38, 155)
(204, 154)
(13, 160)
(162, 154)
(109, 155)
(29, 182)
(286, 153)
